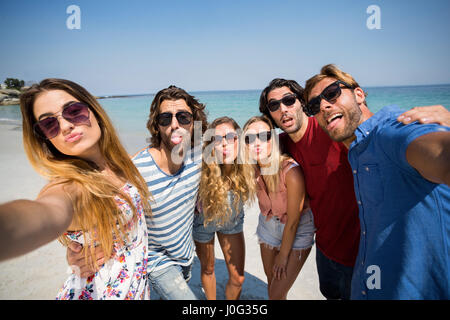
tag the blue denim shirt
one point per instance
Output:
(404, 251)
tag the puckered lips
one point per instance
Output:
(333, 120)
(73, 137)
(228, 155)
(257, 150)
(226, 151)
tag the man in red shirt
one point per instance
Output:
(328, 178)
(329, 184)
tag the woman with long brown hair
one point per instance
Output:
(285, 227)
(222, 194)
(95, 195)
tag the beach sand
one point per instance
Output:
(40, 274)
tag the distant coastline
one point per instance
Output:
(259, 90)
(10, 97)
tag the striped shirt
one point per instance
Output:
(170, 240)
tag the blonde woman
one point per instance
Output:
(95, 195)
(223, 191)
(285, 231)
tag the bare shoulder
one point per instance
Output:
(295, 176)
(155, 153)
(140, 151)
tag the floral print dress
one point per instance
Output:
(124, 276)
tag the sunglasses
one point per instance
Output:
(262, 136)
(165, 118)
(330, 93)
(76, 113)
(230, 137)
(287, 100)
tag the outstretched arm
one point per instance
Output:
(429, 114)
(430, 156)
(25, 225)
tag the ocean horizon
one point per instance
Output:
(129, 113)
(193, 92)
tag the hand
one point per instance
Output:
(429, 114)
(279, 266)
(76, 260)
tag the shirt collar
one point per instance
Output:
(365, 128)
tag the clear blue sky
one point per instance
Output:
(130, 47)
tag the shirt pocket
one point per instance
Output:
(371, 184)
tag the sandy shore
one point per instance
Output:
(39, 274)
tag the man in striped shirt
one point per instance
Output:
(171, 166)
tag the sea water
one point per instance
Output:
(130, 114)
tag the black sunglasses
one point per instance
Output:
(287, 100)
(76, 113)
(330, 93)
(165, 118)
(230, 137)
(262, 136)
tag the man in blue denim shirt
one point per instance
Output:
(401, 178)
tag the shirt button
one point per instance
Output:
(367, 168)
(359, 202)
(364, 233)
(363, 292)
(354, 171)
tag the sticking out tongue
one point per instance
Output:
(176, 139)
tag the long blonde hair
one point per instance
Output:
(215, 185)
(276, 158)
(95, 209)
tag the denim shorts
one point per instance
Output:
(271, 232)
(206, 234)
(171, 282)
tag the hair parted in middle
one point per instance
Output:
(215, 184)
(276, 158)
(95, 207)
(173, 93)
